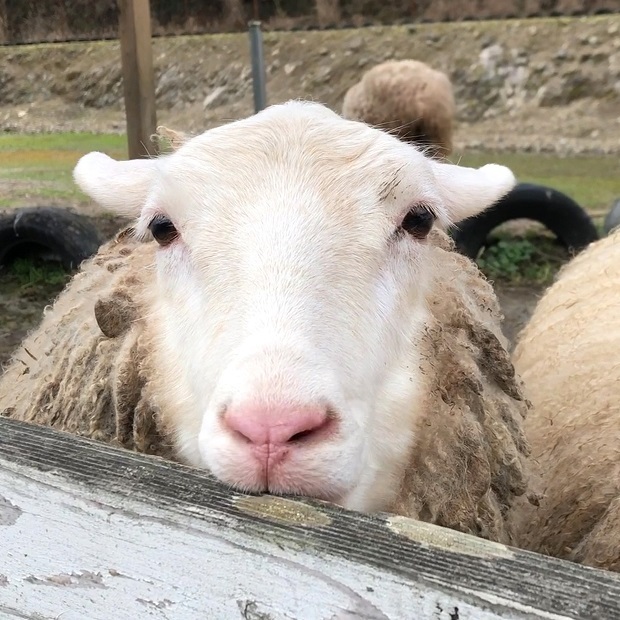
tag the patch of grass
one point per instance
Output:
(592, 181)
(32, 272)
(522, 259)
(37, 168)
(64, 141)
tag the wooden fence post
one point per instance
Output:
(4, 23)
(138, 78)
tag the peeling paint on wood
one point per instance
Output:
(84, 579)
(9, 513)
(102, 533)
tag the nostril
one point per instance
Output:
(301, 436)
(316, 432)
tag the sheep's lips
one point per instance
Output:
(279, 472)
(288, 481)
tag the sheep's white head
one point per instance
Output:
(289, 293)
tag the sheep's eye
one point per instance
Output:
(418, 222)
(163, 230)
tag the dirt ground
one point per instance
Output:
(515, 81)
(22, 299)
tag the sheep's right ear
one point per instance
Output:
(120, 186)
(469, 191)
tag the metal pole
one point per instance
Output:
(258, 66)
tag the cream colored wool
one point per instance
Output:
(407, 98)
(569, 359)
(68, 374)
(469, 461)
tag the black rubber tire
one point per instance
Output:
(572, 226)
(53, 232)
(612, 219)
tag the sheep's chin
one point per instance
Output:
(294, 482)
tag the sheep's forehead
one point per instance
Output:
(287, 153)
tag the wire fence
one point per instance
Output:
(36, 21)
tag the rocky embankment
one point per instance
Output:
(541, 84)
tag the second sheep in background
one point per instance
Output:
(410, 100)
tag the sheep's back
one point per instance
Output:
(82, 369)
(569, 358)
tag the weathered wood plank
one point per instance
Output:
(89, 531)
(138, 77)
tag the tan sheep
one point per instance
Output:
(569, 358)
(409, 99)
(398, 332)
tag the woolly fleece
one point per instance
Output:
(568, 356)
(410, 100)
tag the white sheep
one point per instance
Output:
(298, 325)
(408, 98)
(569, 358)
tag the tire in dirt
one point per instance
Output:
(52, 232)
(559, 213)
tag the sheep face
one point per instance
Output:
(288, 294)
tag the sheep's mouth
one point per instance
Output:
(326, 497)
(289, 485)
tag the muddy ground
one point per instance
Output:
(549, 85)
(23, 296)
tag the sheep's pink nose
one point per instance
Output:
(277, 426)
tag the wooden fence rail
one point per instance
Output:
(90, 532)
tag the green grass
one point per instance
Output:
(33, 272)
(524, 259)
(37, 168)
(592, 181)
(82, 142)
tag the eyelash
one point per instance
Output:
(163, 230)
(418, 222)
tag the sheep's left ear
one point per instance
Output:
(175, 139)
(466, 192)
(121, 186)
